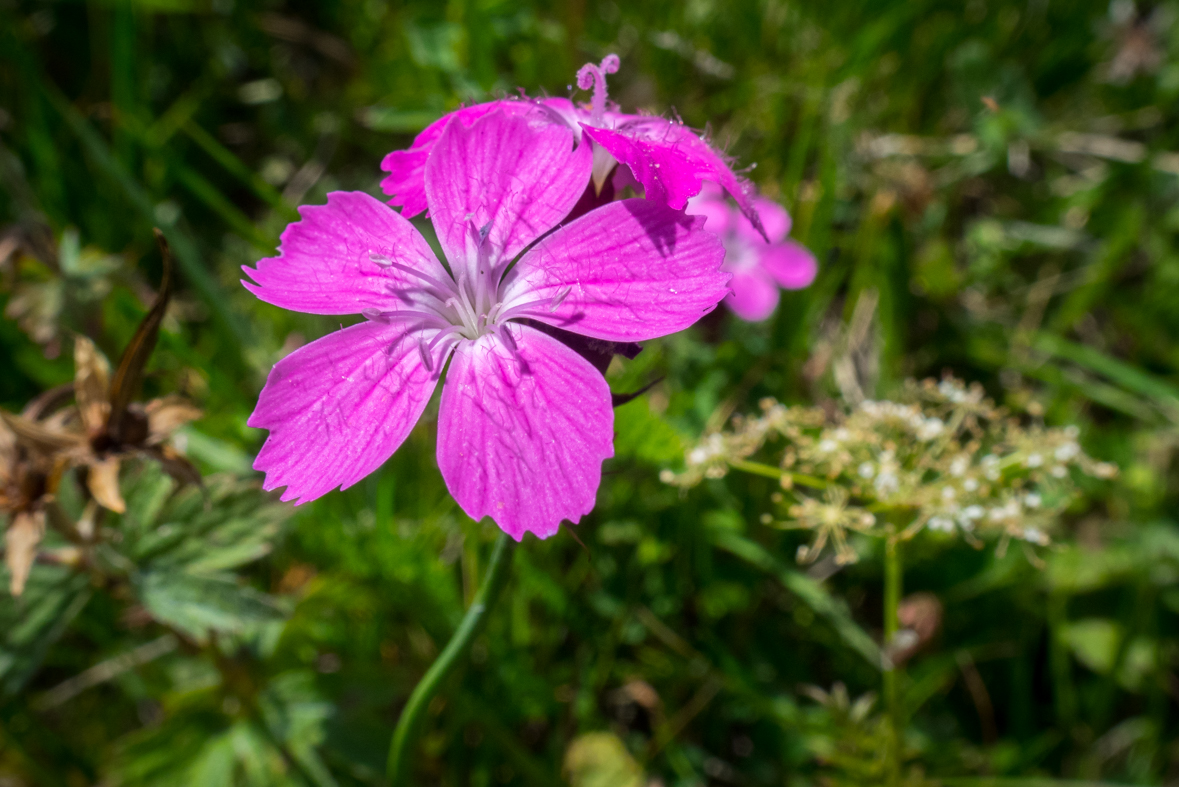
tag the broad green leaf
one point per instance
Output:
(1096, 643)
(642, 434)
(600, 759)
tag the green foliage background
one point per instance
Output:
(1027, 241)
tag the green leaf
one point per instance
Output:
(273, 743)
(642, 434)
(600, 759)
(1129, 377)
(224, 526)
(199, 605)
(807, 590)
(1021, 782)
(32, 622)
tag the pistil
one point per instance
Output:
(594, 77)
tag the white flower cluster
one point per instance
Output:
(906, 416)
(944, 459)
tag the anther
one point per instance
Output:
(559, 297)
(427, 361)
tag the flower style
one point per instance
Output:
(760, 261)
(670, 161)
(524, 421)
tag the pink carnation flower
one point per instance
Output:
(668, 160)
(525, 422)
(759, 267)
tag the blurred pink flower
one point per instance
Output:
(759, 267)
(525, 422)
(668, 160)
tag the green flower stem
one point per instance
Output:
(892, 600)
(472, 623)
(769, 471)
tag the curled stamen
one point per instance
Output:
(560, 296)
(591, 76)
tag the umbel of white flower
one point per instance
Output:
(944, 454)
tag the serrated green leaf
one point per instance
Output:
(199, 605)
(227, 525)
(32, 622)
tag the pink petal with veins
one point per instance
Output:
(522, 435)
(515, 177)
(671, 162)
(407, 168)
(339, 407)
(627, 271)
(326, 265)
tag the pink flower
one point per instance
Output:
(759, 267)
(668, 160)
(524, 422)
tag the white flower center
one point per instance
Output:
(459, 306)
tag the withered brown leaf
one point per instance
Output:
(20, 547)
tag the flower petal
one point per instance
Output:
(406, 181)
(407, 168)
(339, 407)
(325, 266)
(672, 162)
(522, 436)
(517, 177)
(710, 203)
(790, 264)
(627, 271)
(775, 222)
(754, 296)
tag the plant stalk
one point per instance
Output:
(472, 623)
(892, 601)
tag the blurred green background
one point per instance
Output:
(993, 186)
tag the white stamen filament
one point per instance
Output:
(460, 306)
(387, 262)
